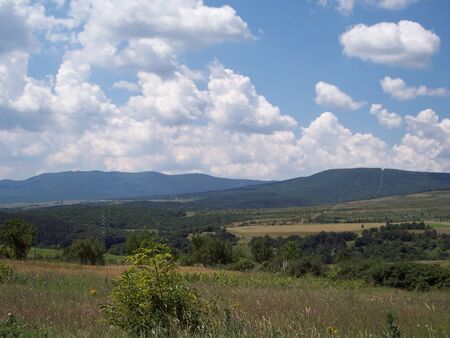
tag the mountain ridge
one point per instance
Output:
(100, 185)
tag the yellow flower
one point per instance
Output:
(92, 292)
(332, 330)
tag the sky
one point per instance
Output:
(245, 89)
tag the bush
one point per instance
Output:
(153, 296)
(12, 328)
(243, 264)
(410, 276)
(85, 251)
(8, 275)
(303, 266)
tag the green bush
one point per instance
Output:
(410, 276)
(152, 297)
(303, 266)
(243, 264)
(85, 251)
(12, 328)
(8, 275)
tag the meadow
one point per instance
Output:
(248, 304)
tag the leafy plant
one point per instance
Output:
(12, 328)
(153, 296)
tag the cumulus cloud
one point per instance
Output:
(176, 119)
(149, 34)
(426, 143)
(236, 105)
(399, 90)
(330, 96)
(386, 118)
(404, 44)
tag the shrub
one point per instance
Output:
(410, 276)
(153, 296)
(303, 266)
(243, 264)
(85, 251)
(12, 328)
(8, 275)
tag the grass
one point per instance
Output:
(55, 254)
(67, 298)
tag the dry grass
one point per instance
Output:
(297, 229)
(261, 305)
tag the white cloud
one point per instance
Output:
(126, 85)
(395, 4)
(345, 7)
(177, 119)
(149, 34)
(426, 144)
(236, 105)
(406, 44)
(330, 96)
(386, 118)
(399, 90)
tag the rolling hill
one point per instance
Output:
(327, 187)
(98, 185)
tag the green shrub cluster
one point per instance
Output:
(404, 275)
(12, 328)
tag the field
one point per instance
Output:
(297, 229)
(249, 231)
(261, 305)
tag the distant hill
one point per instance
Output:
(98, 185)
(327, 187)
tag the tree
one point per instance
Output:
(261, 248)
(85, 251)
(17, 237)
(138, 239)
(208, 250)
(290, 251)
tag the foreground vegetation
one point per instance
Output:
(248, 304)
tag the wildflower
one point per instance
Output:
(332, 330)
(92, 292)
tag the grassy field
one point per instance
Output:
(297, 229)
(55, 254)
(249, 231)
(66, 298)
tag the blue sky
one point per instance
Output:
(229, 88)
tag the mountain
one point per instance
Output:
(98, 185)
(327, 187)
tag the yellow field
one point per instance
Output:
(298, 229)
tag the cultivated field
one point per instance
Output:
(298, 229)
(66, 299)
(250, 231)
